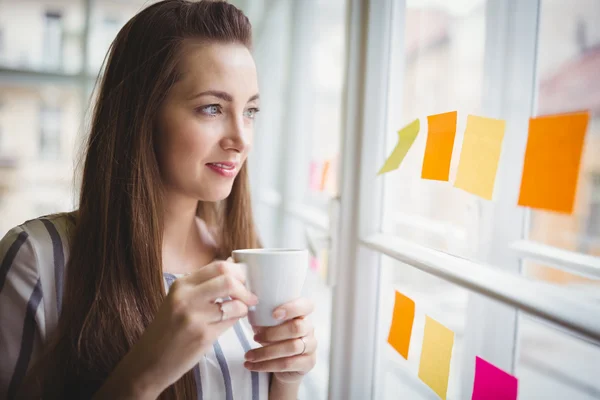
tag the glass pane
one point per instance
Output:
(41, 36)
(272, 35)
(555, 365)
(442, 301)
(442, 56)
(273, 28)
(551, 274)
(328, 63)
(568, 61)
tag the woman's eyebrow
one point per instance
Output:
(221, 95)
(216, 93)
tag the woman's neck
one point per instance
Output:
(185, 246)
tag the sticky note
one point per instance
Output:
(482, 145)
(314, 176)
(324, 175)
(438, 150)
(552, 161)
(434, 368)
(406, 137)
(314, 263)
(402, 323)
(491, 383)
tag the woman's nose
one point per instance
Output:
(237, 137)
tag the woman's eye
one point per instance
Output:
(212, 109)
(251, 112)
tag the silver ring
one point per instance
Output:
(304, 343)
(222, 312)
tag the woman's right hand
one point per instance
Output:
(185, 327)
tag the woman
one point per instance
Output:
(164, 196)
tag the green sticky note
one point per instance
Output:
(406, 137)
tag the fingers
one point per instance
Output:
(301, 364)
(295, 328)
(287, 348)
(298, 308)
(226, 286)
(232, 309)
(215, 269)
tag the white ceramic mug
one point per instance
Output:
(275, 276)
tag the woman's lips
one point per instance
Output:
(227, 170)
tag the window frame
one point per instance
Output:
(355, 219)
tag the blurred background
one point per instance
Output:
(51, 52)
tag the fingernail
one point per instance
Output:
(226, 307)
(249, 356)
(255, 298)
(279, 314)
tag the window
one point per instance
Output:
(50, 133)
(327, 64)
(441, 53)
(592, 234)
(53, 40)
(567, 59)
(454, 254)
(1, 43)
(299, 51)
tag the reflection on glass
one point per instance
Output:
(568, 61)
(442, 58)
(554, 365)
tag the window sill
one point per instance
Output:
(554, 304)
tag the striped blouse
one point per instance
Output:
(32, 269)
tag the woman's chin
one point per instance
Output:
(216, 194)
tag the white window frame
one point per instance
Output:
(509, 87)
(355, 221)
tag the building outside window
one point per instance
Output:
(50, 132)
(53, 40)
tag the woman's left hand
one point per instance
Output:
(289, 349)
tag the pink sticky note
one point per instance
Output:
(315, 176)
(491, 383)
(314, 264)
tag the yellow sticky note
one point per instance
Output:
(552, 161)
(402, 323)
(440, 142)
(480, 155)
(434, 368)
(406, 137)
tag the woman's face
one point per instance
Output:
(206, 123)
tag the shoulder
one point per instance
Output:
(22, 244)
(43, 230)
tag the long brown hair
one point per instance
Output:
(114, 283)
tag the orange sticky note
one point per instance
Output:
(324, 175)
(480, 155)
(434, 368)
(552, 161)
(402, 323)
(440, 141)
